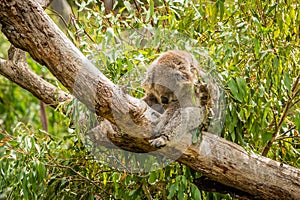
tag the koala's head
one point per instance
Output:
(169, 77)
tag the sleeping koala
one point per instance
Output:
(175, 87)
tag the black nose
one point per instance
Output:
(164, 100)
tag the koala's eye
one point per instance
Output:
(164, 100)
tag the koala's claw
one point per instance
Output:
(158, 142)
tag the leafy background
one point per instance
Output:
(255, 48)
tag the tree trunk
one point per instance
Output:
(28, 27)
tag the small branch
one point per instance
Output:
(60, 17)
(146, 192)
(137, 6)
(17, 70)
(287, 106)
(281, 136)
(79, 174)
(43, 116)
(108, 4)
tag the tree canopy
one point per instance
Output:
(254, 49)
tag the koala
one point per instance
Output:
(175, 87)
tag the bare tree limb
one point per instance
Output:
(108, 5)
(17, 70)
(27, 26)
(76, 73)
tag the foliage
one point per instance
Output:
(256, 50)
(60, 168)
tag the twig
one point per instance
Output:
(281, 136)
(79, 174)
(60, 16)
(287, 106)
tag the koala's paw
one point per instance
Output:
(158, 142)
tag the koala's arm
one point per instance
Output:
(164, 130)
(173, 126)
(168, 132)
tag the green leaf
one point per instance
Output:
(127, 5)
(25, 188)
(261, 91)
(242, 86)
(180, 194)
(195, 193)
(184, 181)
(172, 189)
(151, 3)
(116, 177)
(232, 134)
(256, 22)
(150, 12)
(256, 46)
(266, 137)
(276, 63)
(220, 5)
(287, 81)
(297, 120)
(152, 178)
(131, 193)
(104, 178)
(234, 90)
(13, 143)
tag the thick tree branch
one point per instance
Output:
(105, 134)
(27, 26)
(74, 71)
(17, 70)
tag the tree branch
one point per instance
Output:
(27, 26)
(17, 70)
(290, 102)
(74, 71)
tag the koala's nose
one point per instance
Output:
(164, 100)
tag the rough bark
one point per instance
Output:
(39, 36)
(27, 27)
(17, 70)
